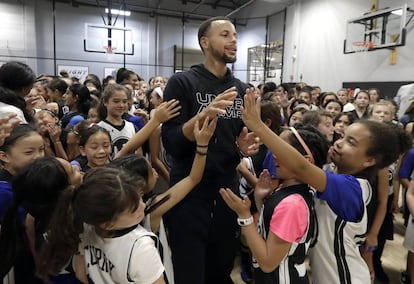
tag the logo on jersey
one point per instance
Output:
(233, 111)
(98, 258)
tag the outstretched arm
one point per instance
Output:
(155, 149)
(182, 188)
(164, 112)
(286, 154)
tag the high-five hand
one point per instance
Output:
(251, 110)
(203, 135)
(166, 110)
(219, 104)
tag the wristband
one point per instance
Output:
(202, 146)
(245, 222)
(201, 153)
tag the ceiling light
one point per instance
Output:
(398, 12)
(118, 12)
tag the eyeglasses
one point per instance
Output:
(305, 147)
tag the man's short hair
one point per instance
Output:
(205, 27)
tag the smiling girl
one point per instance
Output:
(113, 105)
(102, 221)
(94, 144)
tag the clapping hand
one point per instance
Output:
(264, 186)
(237, 204)
(166, 111)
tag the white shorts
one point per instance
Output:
(409, 235)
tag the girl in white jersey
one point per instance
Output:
(365, 147)
(158, 205)
(113, 105)
(101, 219)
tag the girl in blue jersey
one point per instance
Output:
(342, 197)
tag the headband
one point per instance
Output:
(305, 147)
(159, 91)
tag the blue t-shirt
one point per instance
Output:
(343, 194)
(270, 165)
(6, 195)
(407, 165)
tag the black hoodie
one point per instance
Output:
(196, 89)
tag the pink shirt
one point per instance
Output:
(290, 219)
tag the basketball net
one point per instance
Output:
(109, 49)
(362, 46)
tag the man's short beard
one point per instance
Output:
(223, 57)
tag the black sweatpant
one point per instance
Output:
(202, 237)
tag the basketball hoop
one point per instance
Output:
(362, 46)
(109, 49)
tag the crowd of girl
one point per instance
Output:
(80, 161)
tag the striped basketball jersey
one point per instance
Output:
(336, 258)
(129, 258)
(120, 134)
(292, 268)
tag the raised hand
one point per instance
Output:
(143, 114)
(238, 205)
(203, 135)
(166, 111)
(6, 126)
(251, 110)
(264, 186)
(284, 100)
(219, 104)
(248, 142)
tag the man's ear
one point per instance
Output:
(204, 42)
(4, 157)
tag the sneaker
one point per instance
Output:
(405, 278)
(246, 268)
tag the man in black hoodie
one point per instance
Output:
(202, 227)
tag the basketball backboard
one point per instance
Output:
(385, 28)
(108, 39)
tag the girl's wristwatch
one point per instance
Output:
(245, 222)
